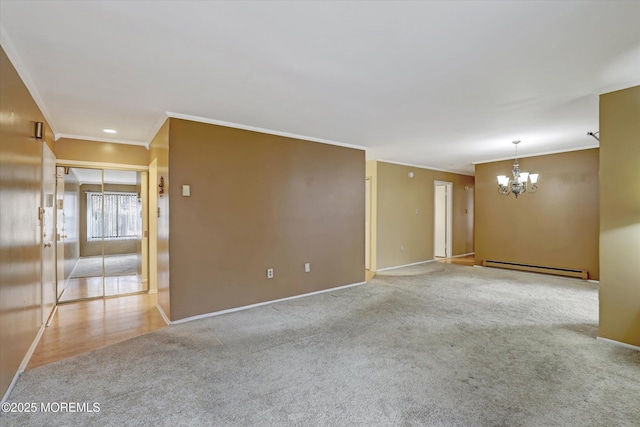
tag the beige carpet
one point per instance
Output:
(434, 345)
(114, 265)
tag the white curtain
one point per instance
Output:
(121, 216)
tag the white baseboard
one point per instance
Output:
(246, 307)
(10, 388)
(34, 344)
(52, 315)
(422, 262)
(460, 256)
(618, 343)
(405, 265)
(597, 282)
(163, 314)
(24, 363)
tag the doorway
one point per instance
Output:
(367, 225)
(103, 233)
(443, 208)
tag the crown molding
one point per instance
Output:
(23, 73)
(423, 167)
(586, 147)
(93, 138)
(156, 127)
(616, 87)
(261, 130)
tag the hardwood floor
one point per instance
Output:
(468, 260)
(91, 287)
(87, 325)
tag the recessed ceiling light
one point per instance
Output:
(110, 130)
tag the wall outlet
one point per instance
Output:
(401, 248)
(269, 273)
(307, 267)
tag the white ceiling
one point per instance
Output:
(437, 84)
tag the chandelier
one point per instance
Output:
(517, 185)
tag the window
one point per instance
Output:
(121, 216)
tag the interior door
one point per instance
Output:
(83, 252)
(122, 232)
(367, 224)
(48, 218)
(440, 218)
(60, 232)
(103, 213)
(443, 219)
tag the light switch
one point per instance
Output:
(186, 190)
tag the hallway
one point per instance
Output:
(88, 325)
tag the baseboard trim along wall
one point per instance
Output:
(10, 388)
(246, 307)
(405, 265)
(163, 314)
(460, 256)
(52, 315)
(422, 262)
(618, 343)
(24, 363)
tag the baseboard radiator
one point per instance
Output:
(570, 272)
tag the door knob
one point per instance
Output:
(47, 245)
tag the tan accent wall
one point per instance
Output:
(94, 248)
(398, 224)
(20, 184)
(620, 216)
(100, 152)
(260, 201)
(556, 227)
(371, 172)
(159, 219)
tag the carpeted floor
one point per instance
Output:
(433, 345)
(114, 265)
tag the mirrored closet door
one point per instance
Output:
(102, 214)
